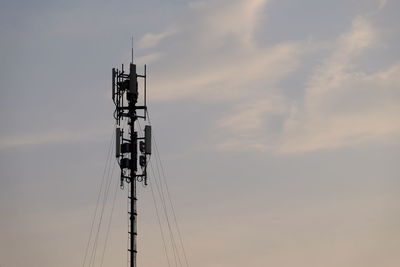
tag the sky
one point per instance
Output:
(277, 123)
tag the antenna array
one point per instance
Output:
(125, 95)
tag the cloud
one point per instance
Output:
(227, 75)
(152, 39)
(53, 137)
(147, 59)
(343, 105)
(248, 126)
(382, 4)
(215, 56)
(222, 19)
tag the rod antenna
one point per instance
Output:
(132, 50)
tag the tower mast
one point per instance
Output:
(125, 95)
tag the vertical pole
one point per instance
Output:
(133, 168)
(133, 223)
(132, 50)
(133, 198)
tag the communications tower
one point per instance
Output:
(129, 110)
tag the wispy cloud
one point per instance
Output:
(247, 123)
(215, 57)
(382, 4)
(344, 105)
(225, 19)
(152, 39)
(52, 137)
(149, 58)
(229, 75)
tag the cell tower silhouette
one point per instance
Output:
(125, 95)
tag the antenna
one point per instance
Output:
(133, 163)
(132, 50)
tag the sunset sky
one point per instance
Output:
(278, 124)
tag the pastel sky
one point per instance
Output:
(278, 123)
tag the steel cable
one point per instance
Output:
(98, 197)
(169, 195)
(104, 202)
(109, 222)
(159, 221)
(160, 192)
